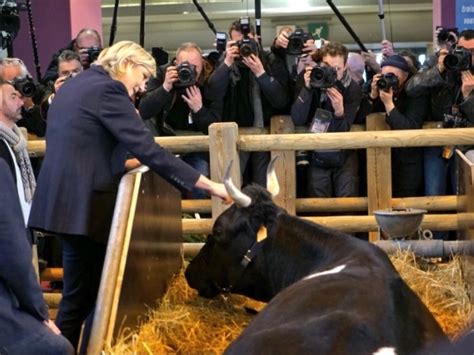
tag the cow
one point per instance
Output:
(327, 292)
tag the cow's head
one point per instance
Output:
(224, 264)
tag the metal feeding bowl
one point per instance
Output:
(399, 223)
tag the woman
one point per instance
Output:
(92, 122)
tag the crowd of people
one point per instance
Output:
(100, 108)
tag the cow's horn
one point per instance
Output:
(238, 196)
(272, 181)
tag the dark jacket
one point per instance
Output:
(90, 117)
(7, 157)
(304, 109)
(33, 121)
(22, 307)
(233, 86)
(171, 112)
(407, 163)
(52, 70)
(444, 92)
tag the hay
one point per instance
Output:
(187, 324)
(442, 288)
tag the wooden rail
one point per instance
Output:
(225, 141)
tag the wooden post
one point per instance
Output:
(223, 149)
(285, 166)
(465, 195)
(379, 172)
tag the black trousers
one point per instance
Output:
(83, 259)
(335, 182)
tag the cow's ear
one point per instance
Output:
(262, 233)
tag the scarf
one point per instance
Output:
(18, 144)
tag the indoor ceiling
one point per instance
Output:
(291, 7)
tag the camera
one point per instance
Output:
(387, 81)
(458, 59)
(93, 53)
(9, 22)
(221, 41)
(187, 75)
(296, 41)
(323, 77)
(247, 46)
(25, 86)
(445, 35)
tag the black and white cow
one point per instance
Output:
(328, 292)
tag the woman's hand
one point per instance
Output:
(213, 188)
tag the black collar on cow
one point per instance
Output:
(248, 257)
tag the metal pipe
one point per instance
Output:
(347, 26)
(381, 17)
(258, 20)
(142, 23)
(113, 26)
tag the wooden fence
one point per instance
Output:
(225, 141)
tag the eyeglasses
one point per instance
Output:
(14, 61)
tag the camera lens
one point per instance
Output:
(317, 74)
(245, 50)
(382, 84)
(28, 89)
(185, 75)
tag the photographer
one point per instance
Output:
(451, 102)
(14, 70)
(328, 101)
(253, 86)
(388, 95)
(294, 48)
(176, 101)
(87, 45)
(69, 65)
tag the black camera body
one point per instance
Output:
(458, 59)
(296, 41)
(187, 75)
(323, 77)
(25, 86)
(387, 81)
(93, 53)
(247, 47)
(445, 35)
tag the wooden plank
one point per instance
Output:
(466, 195)
(285, 166)
(223, 149)
(345, 204)
(359, 140)
(379, 172)
(349, 223)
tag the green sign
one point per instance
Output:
(319, 30)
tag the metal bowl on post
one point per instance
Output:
(399, 223)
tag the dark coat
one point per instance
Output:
(171, 111)
(232, 85)
(7, 157)
(21, 302)
(90, 117)
(407, 163)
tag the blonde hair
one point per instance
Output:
(116, 59)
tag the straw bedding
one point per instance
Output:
(185, 323)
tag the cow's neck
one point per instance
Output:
(296, 248)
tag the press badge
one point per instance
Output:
(321, 120)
